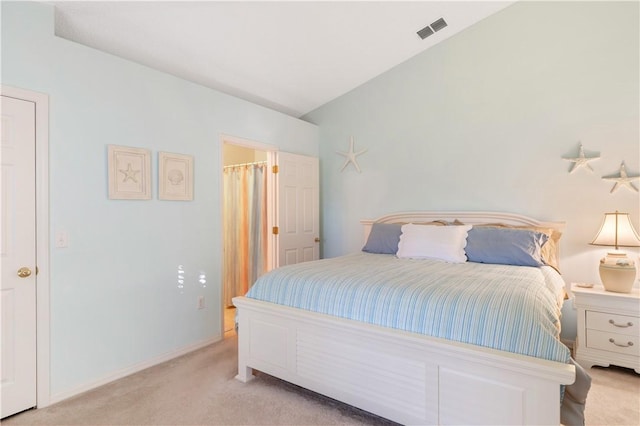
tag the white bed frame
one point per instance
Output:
(405, 377)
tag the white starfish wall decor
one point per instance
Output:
(350, 156)
(623, 179)
(580, 161)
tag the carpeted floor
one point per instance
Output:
(199, 388)
(614, 398)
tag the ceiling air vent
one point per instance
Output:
(438, 25)
(430, 29)
(425, 32)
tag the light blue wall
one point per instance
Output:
(482, 121)
(114, 296)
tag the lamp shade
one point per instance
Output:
(617, 231)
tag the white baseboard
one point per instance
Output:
(130, 370)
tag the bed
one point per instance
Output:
(404, 367)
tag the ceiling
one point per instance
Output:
(289, 56)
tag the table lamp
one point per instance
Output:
(617, 271)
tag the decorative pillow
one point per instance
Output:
(383, 238)
(505, 246)
(433, 242)
(549, 251)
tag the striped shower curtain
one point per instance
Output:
(245, 227)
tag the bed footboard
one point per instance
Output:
(404, 377)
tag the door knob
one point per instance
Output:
(317, 240)
(24, 272)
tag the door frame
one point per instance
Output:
(271, 203)
(43, 373)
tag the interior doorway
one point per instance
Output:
(39, 217)
(246, 220)
(291, 216)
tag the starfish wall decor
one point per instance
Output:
(580, 161)
(623, 179)
(350, 156)
(130, 173)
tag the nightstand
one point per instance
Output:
(608, 327)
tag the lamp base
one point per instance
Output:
(617, 272)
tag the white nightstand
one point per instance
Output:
(608, 327)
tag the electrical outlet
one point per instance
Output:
(201, 302)
(62, 239)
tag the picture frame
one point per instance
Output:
(129, 173)
(175, 176)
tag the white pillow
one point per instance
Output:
(433, 242)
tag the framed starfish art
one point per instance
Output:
(129, 172)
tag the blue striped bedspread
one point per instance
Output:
(510, 308)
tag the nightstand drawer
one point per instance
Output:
(620, 324)
(613, 342)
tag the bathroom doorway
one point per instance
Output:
(245, 222)
(274, 222)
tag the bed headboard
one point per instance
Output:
(466, 217)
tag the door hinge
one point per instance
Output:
(274, 168)
(275, 230)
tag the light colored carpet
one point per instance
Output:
(199, 388)
(614, 398)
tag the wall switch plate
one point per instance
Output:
(201, 302)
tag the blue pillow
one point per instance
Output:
(505, 246)
(383, 238)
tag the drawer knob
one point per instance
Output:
(618, 344)
(629, 324)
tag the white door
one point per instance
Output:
(18, 295)
(297, 215)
